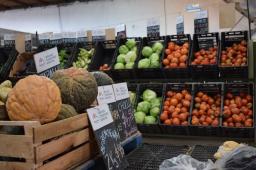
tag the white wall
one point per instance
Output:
(101, 14)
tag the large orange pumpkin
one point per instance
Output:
(34, 98)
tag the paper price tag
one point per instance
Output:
(201, 14)
(121, 91)
(105, 94)
(100, 116)
(46, 59)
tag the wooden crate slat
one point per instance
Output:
(19, 123)
(19, 146)
(70, 159)
(55, 147)
(16, 166)
(55, 129)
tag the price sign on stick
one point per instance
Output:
(153, 28)
(107, 137)
(106, 96)
(125, 109)
(180, 25)
(201, 22)
(121, 30)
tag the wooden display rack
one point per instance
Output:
(58, 145)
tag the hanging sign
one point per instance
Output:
(125, 109)
(47, 62)
(201, 22)
(180, 25)
(98, 35)
(107, 137)
(153, 27)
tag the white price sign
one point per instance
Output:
(46, 59)
(153, 22)
(121, 91)
(105, 94)
(179, 19)
(202, 14)
(69, 34)
(100, 116)
(98, 32)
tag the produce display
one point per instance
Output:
(34, 98)
(102, 78)
(104, 67)
(63, 56)
(238, 110)
(205, 57)
(66, 111)
(206, 109)
(176, 55)
(84, 58)
(148, 110)
(236, 55)
(78, 87)
(151, 56)
(176, 108)
(127, 55)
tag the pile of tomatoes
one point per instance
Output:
(205, 57)
(206, 110)
(176, 55)
(238, 110)
(176, 108)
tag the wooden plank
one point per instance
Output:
(16, 146)
(19, 123)
(69, 160)
(55, 129)
(55, 147)
(16, 166)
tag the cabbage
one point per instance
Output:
(120, 58)
(144, 63)
(134, 49)
(119, 66)
(157, 47)
(149, 120)
(130, 56)
(130, 43)
(123, 49)
(143, 106)
(154, 111)
(155, 102)
(154, 57)
(139, 117)
(129, 65)
(154, 64)
(148, 95)
(147, 51)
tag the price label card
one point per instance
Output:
(153, 27)
(180, 25)
(46, 59)
(105, 94)
(121, 91)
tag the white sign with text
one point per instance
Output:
(105, 94)
(121, 91)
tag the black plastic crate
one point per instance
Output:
(227, 40)
(104, 53)
(177, 72)
(211, 89)
(122, 74)
(236, 132)
(70, 49)
(171, 129)
(203, 153)
(205, 41)
(149, 73)
(158, 88)
(134, 88)
(85, 45)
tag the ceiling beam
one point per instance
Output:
(21, 2)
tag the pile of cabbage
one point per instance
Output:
(127, 55)
(151, 56)
(148, 110)
(84, 58)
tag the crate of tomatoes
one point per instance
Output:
(177, 100)
(238, 111)
(204, 57)
(175, 59)
(234, 55)
(206, 113)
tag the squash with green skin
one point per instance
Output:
(102, 78)
(78, 87)
(66, 111)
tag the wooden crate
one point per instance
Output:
(54, 146)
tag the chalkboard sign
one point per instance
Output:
(153, 27)
(201, 23)
(206, 41)
(121, 31)
(106, 96)
(98, 35)
(180, 25)
(125, 109)
(107, 137)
